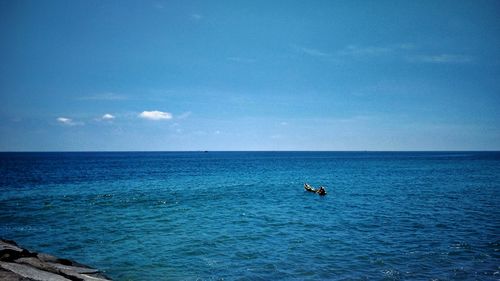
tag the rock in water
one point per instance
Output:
(18, 264)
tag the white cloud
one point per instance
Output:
(64, 120)
(443, 58)
(108, 116)
(155, 115)
(68, 121)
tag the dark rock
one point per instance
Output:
(76, 269)
(9, 255)
(65, 262)
(11, 276)
(46, 257)
(9, 251)
(84, 277)
(31, 272)
(8, 246)
(20, 264)
(34, 262)
(11, 242)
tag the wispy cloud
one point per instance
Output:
(403, 51)
(184, 115)
(196, 17)
(158, 5)
(104, 96)
(441, 59)
(155, 115)
(311, 51)
(400, 51)
(67, 121)
(365, 51)
(353, 50)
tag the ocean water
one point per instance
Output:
(246, 216)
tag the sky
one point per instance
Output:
(249, 75)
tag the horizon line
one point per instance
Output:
(206, 151)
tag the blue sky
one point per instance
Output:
(249, 75)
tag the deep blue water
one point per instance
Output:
(245, 215)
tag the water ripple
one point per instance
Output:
(246, 217)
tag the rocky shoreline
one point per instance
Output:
(18, 264)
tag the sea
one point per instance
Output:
(246, 216)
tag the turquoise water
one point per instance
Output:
(246, 216)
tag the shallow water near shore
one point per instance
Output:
(245, 215)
